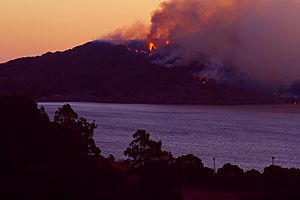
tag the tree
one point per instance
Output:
(24, 133)
(189, 169)
(153, 167)
(77, 130)
(230, 171)
(231, 176)
(189, 161)
(143, 151)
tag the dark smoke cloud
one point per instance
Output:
(260, 38)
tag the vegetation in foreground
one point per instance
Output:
(44, 159)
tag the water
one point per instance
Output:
(248, 136)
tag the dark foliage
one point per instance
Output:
(143, 151)
(77, 131)
(52, 160)
(153, 168)
(43, 159)
(282, 183)
(189, 169)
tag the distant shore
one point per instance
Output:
(157, 102)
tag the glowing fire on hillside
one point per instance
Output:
(152, 46)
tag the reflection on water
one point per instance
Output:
(245, 135)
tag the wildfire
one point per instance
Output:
(152, 46)
(168, 42)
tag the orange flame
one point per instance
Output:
(152, 46)
(168, 42)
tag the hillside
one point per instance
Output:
(103, 72)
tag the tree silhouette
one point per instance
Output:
(189, 169)
(188, 161)
(47, 160)
(143, 151)
(229, 170)
(77, 130)
(230, 175)
(41, 159)
(153, 167)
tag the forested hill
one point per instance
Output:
(104, 72)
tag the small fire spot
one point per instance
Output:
(152, 47)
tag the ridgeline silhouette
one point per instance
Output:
(44, 159)
(104, 72)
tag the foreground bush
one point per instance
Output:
(41, 159)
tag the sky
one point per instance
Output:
(34, 27)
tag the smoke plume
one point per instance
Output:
(260, 38)
(137, 31)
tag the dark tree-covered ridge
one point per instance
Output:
(104, 72)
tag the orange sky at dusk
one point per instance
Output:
(33, 27)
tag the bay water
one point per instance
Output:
(247, 135)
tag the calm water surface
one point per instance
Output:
(245, 135)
